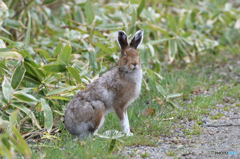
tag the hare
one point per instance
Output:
(115, 90)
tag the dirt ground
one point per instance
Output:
(219, 139)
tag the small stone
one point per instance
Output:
(179, 146)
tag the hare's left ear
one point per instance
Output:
(122, 39)
(137, 39)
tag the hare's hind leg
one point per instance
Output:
(96, 121)
(100, 125)
(99, 117)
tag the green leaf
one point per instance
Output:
(28, 112)
(174, 95)
(49, 79)
(79, 15)
(172, 23)
(154, 42)
(3, 65)
(187, 41)
(31, 62)
(174, 105)
(28, 31)
(151, 49)
(5, 146)
(154, 27)
(140, 7)
(3, 45)
(172, 49)
(155, 73)
(183, 20)
(92, 58)
(31, 69)
(13, 23)
(59, 97)
(172, 46)
(48, 116)
(161, 90)
(124, 20)
(58, 49)
(43, 53)
(60, 90)
(104, 48)
(134, 17)
(30, 78)
(21, 144)
(17, 76)
(25, 97)
(181, 50)
(3, 29)
(39, 107)
(74, 72)
(8, 40)
(7, 89)
(107, 26)
(24, 53)
(16, 140)
(111, 134)
(66, 54)
(112, 145)
(12, 55)
(55, 68)
(13, 119)
(59, 112)
(89, 12)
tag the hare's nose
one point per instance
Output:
(134, 65)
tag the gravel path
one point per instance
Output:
(219, 139)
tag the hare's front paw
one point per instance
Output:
(129, 134)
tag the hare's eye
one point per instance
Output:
(124, 54)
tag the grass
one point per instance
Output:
(133, 153)
(217, 116)
(170, 153)
(145, 155)
(200, 95)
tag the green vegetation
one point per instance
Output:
(145, 155)
(170, 153)
(51, 49)
(217, 116)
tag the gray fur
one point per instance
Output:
(113, 91)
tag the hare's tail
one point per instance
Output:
(92, 117)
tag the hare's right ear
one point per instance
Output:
(137, 39)
(122, 39)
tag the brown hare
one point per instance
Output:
(115, 90)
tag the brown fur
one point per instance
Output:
(116, 89)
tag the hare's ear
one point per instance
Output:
(122, 39)
(137, 39)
